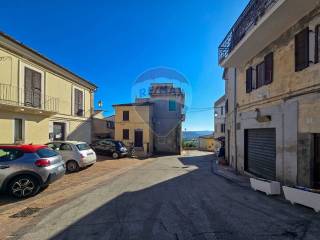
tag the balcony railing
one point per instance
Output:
(14, 96)
(248, 19)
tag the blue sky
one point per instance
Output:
(112, 42)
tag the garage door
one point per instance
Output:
(261, 152)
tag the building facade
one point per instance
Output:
(41, 101)
(208, 143)
(133, 126)
(272, 72)
(168, 105)
(219, 118)
(152, 125)
(102, 127)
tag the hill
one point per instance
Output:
(188, 135)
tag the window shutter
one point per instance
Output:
(260, 75)
(268, 64)
(76, 101)
(80, 107)
(317, 47)
(302, 50)
(27, 87)
(249, 80)
(36, 89)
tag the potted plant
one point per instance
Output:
(266, 186)
(304, 196)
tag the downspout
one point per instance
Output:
(235, 118)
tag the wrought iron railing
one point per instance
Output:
(249, 18)
(15, 96)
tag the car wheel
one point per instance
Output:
(72, 166)
(115, 155)
(24, 186)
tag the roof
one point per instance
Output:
(133, 104)
(110, 118)
(11, 39)
(220, 100)
(27, 148)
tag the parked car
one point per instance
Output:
(110, 147)
(75, 154)
(24, 169)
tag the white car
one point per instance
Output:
(75, 154)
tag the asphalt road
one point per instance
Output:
(175, 198)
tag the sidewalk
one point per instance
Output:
(229, 173)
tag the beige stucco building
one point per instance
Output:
(133, 126)
(219, 118)
(273, 82)
(153, 124)
(39, 99)
(102, 127)
(208, 143)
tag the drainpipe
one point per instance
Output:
(235, 119)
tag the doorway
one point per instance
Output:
(59, 131)
(138, 138)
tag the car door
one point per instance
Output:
(106, 146)
(7, 165)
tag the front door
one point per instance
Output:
(138, 138)
(316, 173)
(59, 131)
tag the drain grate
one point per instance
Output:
(25, 212)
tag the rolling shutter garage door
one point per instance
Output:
(261, 152)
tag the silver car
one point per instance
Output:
(75, 154)
(24, 169)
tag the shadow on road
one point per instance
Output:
(192, 203)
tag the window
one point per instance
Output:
(268, 64)
(302, 50)
(260, 74)
(227, 106)
(125, 115)
(221, 110)
(110, 124)
(222, 127)
(83, 146)
(125, 134)
(65, 147)
(10, 154)
(18, 130)
(249, 80)
(317, 45)
(78, 102)
(172, 105)
(46, 153)
(32, 88)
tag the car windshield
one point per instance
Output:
(120, 144)
(83, 146)
(46, 153)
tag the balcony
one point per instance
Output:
(17, 99)
(261, 22)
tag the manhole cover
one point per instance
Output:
(25, 212)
